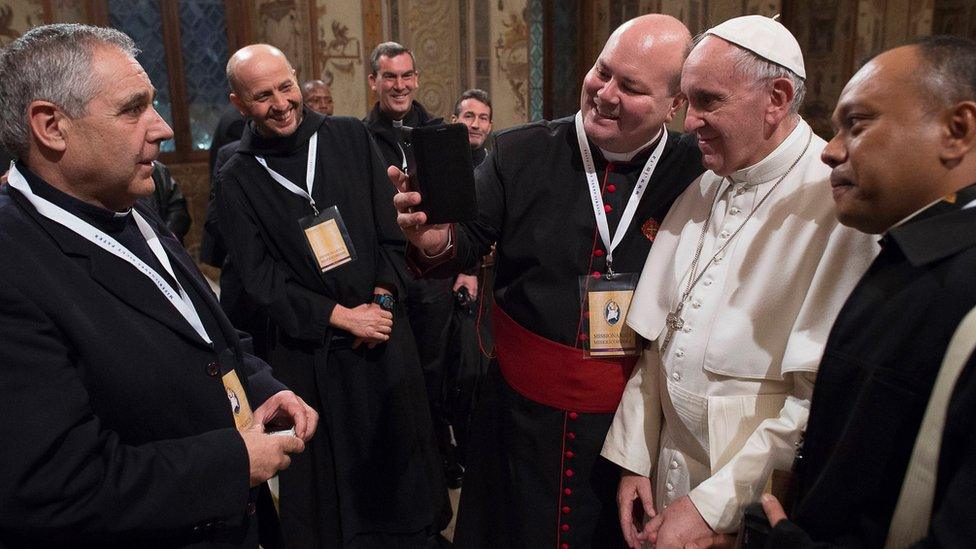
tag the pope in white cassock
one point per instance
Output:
(744, 280)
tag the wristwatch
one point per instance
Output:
(386, 301)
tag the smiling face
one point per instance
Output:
(886, 150)
(267, 91)
(726, 111)
(395, 83)
(477, 117)
(109, 152)
(626, 97)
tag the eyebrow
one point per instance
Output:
(138, 99)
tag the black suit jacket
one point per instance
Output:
(874, 382)
(117, 429)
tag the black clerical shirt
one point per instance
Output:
(119, 225)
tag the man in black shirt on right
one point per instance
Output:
(904, 166)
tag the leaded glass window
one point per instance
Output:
(203, 41)
(142, 21)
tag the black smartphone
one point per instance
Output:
(442, 173)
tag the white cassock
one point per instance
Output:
(727, 401)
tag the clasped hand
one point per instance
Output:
(368, 322)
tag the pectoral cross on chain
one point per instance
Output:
(674, 323)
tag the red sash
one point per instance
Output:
(557, 375)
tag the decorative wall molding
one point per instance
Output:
(430, 28)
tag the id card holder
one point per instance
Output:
(328, 240)
(239, 405)
(605, 301)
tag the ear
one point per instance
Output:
(781, 94)
(372, 82)
(677, 102)
(960, 132)
(453, 119)
(238, 103)
(48, 125)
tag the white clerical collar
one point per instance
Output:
(777, 162)
(628, 156)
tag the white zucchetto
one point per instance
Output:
(764, 37)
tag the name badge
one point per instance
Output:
(238, 400)
(328, 240)
(605, 303)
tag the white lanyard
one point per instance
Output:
(597, 198)
(309, 173)
(57, 214)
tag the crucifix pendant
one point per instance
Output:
(674, 323)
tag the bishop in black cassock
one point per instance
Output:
(534, 472)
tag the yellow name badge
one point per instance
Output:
(238, 400)
(609, 334)
(327, 244)
(328, 239)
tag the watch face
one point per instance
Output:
(385, 301)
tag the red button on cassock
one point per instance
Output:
(568, 491)
(598, 252)
(570, 454)
(596, 274)
(564, 546)
(607, 208)
(566, 510)
(582, 337)
(571, 436)
(573, 415)
(569, 472)
(565, 527)
(611, 188)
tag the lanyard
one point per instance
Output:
(57, 214)
(597, 198)
(309, 173)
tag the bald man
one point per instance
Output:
(297, 211)
(317, 96)
(560, 196)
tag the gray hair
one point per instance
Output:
(50, 63)
(762, 72)
(391, 50)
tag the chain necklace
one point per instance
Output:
(673, 321)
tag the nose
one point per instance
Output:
(280, 101)
(693, 119)
(834, 154)
(159, 130)
(607, 92)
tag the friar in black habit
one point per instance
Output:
(297, 209)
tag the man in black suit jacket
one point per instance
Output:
(132, 415)
(904, 166)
